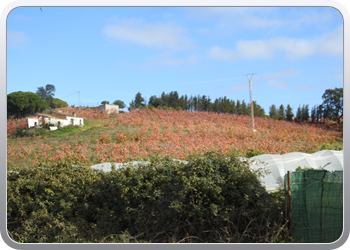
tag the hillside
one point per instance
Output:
(141, 134)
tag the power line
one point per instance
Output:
(73, 94)
(70, 94)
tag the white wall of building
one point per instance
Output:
(71, 120)
(109, 108)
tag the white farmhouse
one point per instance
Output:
(109, 108)
(55, 119)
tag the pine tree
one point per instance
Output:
(273, 112)
(289, 113)
(281, 114)
(305, 113)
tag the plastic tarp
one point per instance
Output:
(279, 165)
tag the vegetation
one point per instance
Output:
(141, 134)
(47, 94)
(120, 103)
(333, 104)
(53, 196)
(331, 108)
(211, 199)
(21, 104)
(58, 103)
(196, 103)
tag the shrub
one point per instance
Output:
(210, 199)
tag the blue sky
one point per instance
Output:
(111, 53)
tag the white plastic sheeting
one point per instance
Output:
(107, 166)
(277, 165)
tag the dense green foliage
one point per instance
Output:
(331, 108)
(333, 104)
(209, 199)
(197, 103)
(120, 103)
(273, 112)
(58, 103)
(21, 104)
(289, 113)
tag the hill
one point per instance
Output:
(141, 134)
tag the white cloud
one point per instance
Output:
(167, 59)
(165, 35)
(261, 17)
(280, 74)
(279, 79)
(278, 84)
(302, 87)
(329, 44)
(16, 39)
(238, 87)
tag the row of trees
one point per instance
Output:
(196, 103)
(331, 108)
(21, 104)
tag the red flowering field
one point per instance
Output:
(140, 134)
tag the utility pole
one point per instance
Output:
(251, 97)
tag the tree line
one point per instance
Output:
(331, 107)
(21, 104)
(172, 100)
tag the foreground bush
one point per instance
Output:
(209, 199)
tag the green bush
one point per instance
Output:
(210, 199)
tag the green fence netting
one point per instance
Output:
(316, 205)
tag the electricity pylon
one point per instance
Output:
(251, 97)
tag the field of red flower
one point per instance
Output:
(140, 134)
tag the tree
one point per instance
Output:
(281, 114)
(238, 107)
(164, 99)
(333, 104)
(299, 115)
(305, 113)
(132, 105)
(47, 93)
(319, 112)
(313, 113)
(21, 104)
(258, 110)
(273, 112)
(120, 103)
(233, 108)
(105, 102)
(244, 108)
(58, 103)
(289, 113)
(154, 101)
(173, 99)
(139, 100)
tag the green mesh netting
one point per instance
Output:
(316, 205)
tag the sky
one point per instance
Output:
(95, 54)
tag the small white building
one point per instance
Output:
(109, 108)
(55, 119)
